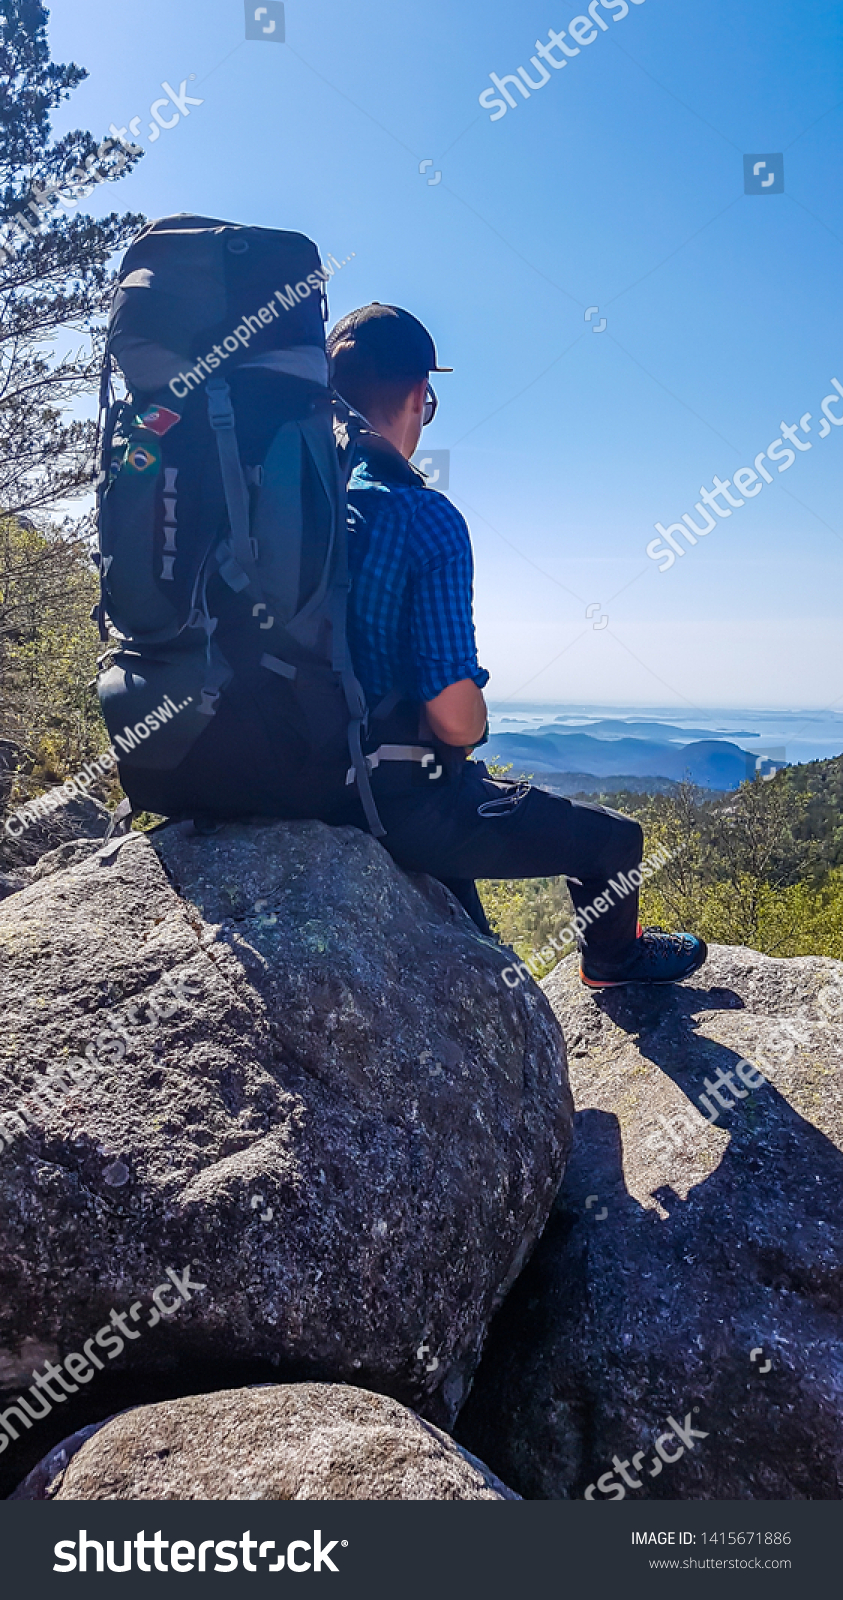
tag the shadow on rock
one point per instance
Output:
(677, 1334)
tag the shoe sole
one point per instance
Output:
(622, 983)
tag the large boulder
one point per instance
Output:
(12, 883)
(338, 1119)
(306, 1441)
(58, 856)
(692, 1271)
(21, 849)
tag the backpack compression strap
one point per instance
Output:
(221, 418)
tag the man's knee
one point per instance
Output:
(627, 841)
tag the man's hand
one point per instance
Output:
(458, 715)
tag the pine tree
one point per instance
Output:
(54, 272)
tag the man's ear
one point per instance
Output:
(419, 395)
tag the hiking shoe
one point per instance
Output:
(658, 958)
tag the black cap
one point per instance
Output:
(386, 342)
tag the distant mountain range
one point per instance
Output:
(661, 732)
(618, 750)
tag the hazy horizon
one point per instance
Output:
(630, 706)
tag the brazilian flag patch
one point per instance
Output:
(141, 457)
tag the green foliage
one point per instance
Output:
(525, 912)
(800, 919)
(761, 867)
(820, 826)
(48, 652)
(758, 867)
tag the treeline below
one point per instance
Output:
(761, 867)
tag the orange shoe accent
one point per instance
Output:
(639, 931)
(600, 983)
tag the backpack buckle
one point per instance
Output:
(208, 705)
(220, 410)
(200, 619)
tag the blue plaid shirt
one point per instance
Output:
(409, 619)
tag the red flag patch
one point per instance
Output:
(158, 419)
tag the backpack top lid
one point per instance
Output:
(188, 283)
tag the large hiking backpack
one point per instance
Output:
(222, 505)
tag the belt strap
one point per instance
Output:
(393, 752)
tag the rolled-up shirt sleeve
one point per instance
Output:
(443, 643)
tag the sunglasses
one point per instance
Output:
(430, 405)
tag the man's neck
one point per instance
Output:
(393, 432)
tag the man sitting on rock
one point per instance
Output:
(411, 636)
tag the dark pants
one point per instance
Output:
(468, 825)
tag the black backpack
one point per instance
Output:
(222, 506)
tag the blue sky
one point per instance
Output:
(619, 184)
